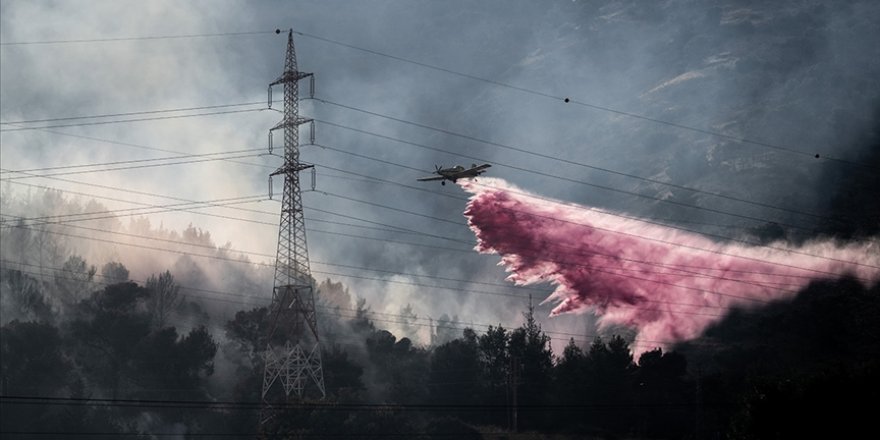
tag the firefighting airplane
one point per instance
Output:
(455, 173)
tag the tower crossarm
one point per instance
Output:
(284, 123)
(284, 169)
(287, 77)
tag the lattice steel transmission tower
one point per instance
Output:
(292, 358)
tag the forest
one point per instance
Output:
(117, 359)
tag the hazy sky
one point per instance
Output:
(800, 75)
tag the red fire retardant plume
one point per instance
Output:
(667, 284)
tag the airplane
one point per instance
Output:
(455, 173)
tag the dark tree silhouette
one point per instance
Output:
(530, 351)
(342, 376)
(663, 394)
(74, 280)
(398, 368)
(21, 297)
(495, 361)
(107, 330)
(608, 377)
(164, 297)
(456, 372)
(33, 362)
(114, 272)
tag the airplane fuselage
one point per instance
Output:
(457, 172)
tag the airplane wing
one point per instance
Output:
(473, 171)
(428, 179)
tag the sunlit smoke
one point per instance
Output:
(667, 284)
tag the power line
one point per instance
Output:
(134, 146)
(164, 208)
(142, 147)
(129, 167)
(466, 324)
(582, 103)
(367, 176)
(389, 228)
(613, 231)
(112, 214)
(569, 161)
(677, 267)
(567, 263)
(476, 78)
(147, 206)
(157, 118)
(592, 266)
(403, 229)
(267, 265)
(391, 208)
(178, 242)
(648, 220)
(468, 137)
(513, 167)
(665, 225)
(145, 112)
(467, 251)
(322, 146)
(557, 176)
(396, 434)
(377, 181)
(122, 162)
(714, 251)
(219, 257)
(696, 232)
(628, 217)
(394, 228)
(232, 404)
(116, 39)
(648, 238)
(373, 179)
(694, 247)
(399, 229)
(127, 190)
(186, 200)
(595, 267)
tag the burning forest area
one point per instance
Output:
(494, 221)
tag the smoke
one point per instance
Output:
(667, 284)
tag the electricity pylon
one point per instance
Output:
(293, 352)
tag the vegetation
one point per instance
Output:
(118, 360)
